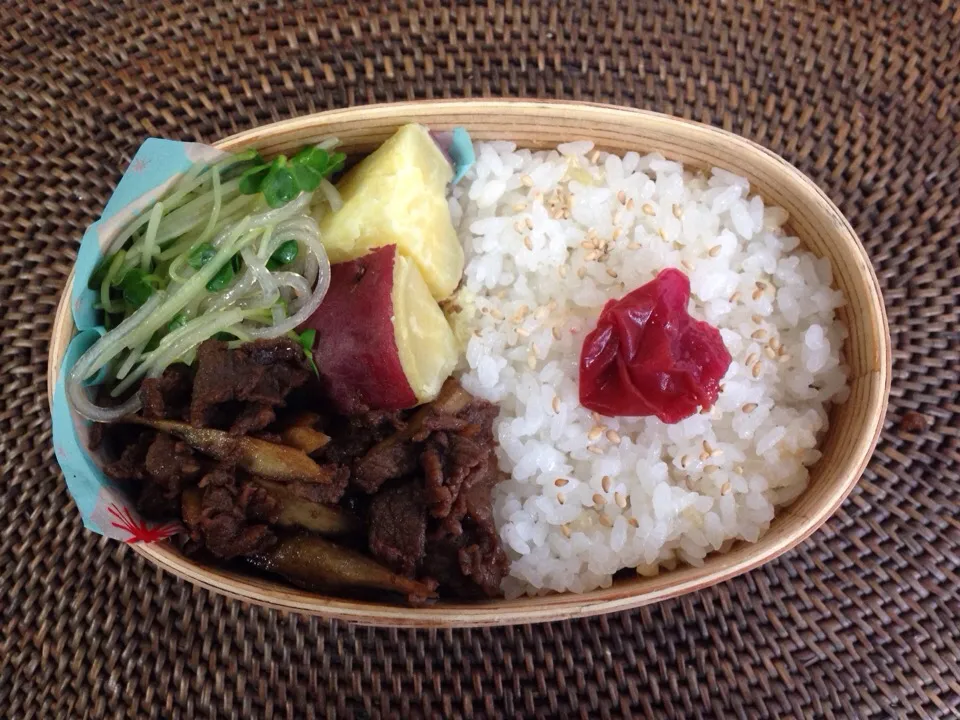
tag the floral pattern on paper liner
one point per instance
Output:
(104, 507)
(135, 528)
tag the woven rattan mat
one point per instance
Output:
(859, 621)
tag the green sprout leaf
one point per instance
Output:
(136, 287)
(252, 179)
(240, 163)
(306, 340)
(283, 255)
(179, 320)
(223, 278)
(312, 164)
(201, 255)
(305, 177)
(282, 180)
(279, 186)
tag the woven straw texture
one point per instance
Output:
(859, 621)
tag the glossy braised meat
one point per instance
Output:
(398, 526)
(168, 396)
(329, 493)
(397, 453)
(131, 463)
(225, 449)
(241, 388)
(448, 460)
(439, 524)
(480, 555)
(461, 472)
(354, 437)
(171, 465)
(229, 516)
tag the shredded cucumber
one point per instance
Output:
(108, 279)
(150, 237)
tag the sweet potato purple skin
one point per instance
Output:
(355, 349)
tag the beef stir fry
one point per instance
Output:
(283, 387)
(245, 448)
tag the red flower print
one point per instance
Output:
(140, 531)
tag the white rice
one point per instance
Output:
(588, 496)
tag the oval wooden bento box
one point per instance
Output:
(855, 425)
